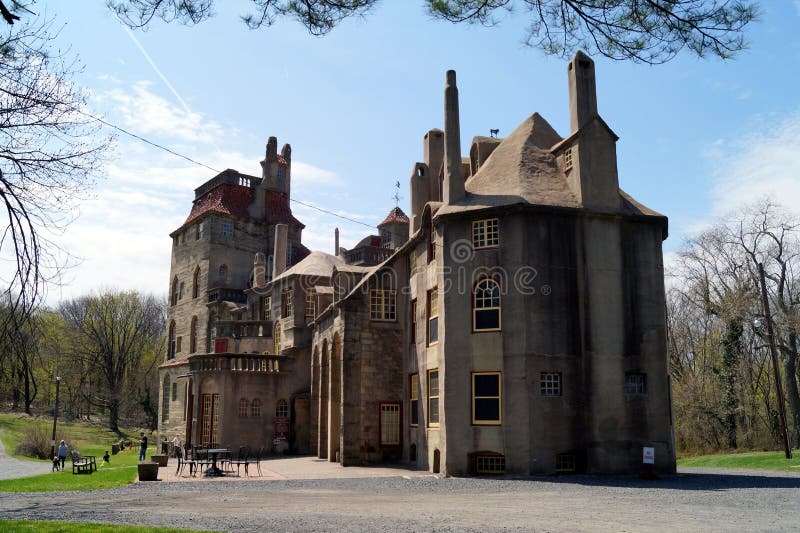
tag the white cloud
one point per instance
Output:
(760, 164)
(303, 173)
(146, 113)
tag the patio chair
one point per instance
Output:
(182, 462)
(241, 459)
(256, 461)
(200, 457)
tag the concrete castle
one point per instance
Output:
(515, 322)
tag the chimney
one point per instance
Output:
(259, 270)
(453, 187)
(272, 149)
(582, 91)
(336, 242)
(279, 255)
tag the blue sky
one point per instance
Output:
(698, 138)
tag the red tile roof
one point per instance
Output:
(278, 210)
(175, 362)
(225, 199)
(395, 215)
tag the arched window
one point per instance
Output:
(171, 345)
(282, 409)
(193, 336)
(175, 289)
(242, 407)
(196, 282)
(486, 306)
(276, 337)
(165, 400)
(223, 272)
(255, 408)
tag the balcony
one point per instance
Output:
(244, 328)
(221, 294)
(245, 363)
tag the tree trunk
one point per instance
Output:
(790, 371)
(113, 416)
(730, 359)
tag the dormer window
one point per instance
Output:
(568, 159)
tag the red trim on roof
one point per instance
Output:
(175, 362)
(224, 199)
(278, 210)
(395, 215)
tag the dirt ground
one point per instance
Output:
(304, 494)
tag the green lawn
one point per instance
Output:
(89, 440)
(14, 526)
(753, 460)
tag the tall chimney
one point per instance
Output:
(453, 188)
(260, 270)
(279, 255)
(582, 91)
(336, 242)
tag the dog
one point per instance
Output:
(56, 464)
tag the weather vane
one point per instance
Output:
(397, 196)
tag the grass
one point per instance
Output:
(751, 460)
(89, 440)
(14, 526)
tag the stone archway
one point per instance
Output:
(335, 398)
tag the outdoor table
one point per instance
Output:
(214, 471)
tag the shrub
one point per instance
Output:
(35, 442)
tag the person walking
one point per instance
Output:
(63, 452)
(142, 446)
(176, 447)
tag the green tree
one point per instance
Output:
(647, 31)
(115, 334)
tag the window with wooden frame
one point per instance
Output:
(256, 408)
(390, 424)
(226, 229)
(413, 399)
(311, 305)
(282, 409)
(550, 383)
(266, 305)
(413, 321)
(433, 398)
(431, 241)
(287, 305)
(635, 383)
(198, 231)
(487, 398)
(243, 407)
(568, 159)
(382, 304)
(433, 316)
(485, 233)
(490, 464)
(486, 306)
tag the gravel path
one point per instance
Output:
(11, 468)
(696, 499)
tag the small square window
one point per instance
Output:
(490, 464)
(485, 233)
(550, 384)
(382, 305)
(635, 383)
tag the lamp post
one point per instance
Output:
(787, 449)
(55, 418)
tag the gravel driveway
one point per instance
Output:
(11, 468)
(696, 499)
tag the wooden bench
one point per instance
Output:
(83, 464)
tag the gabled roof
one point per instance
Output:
(395, 215)
(225, 199)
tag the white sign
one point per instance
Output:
(648, 456)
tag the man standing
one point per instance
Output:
(142, 446)
(63, 451)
